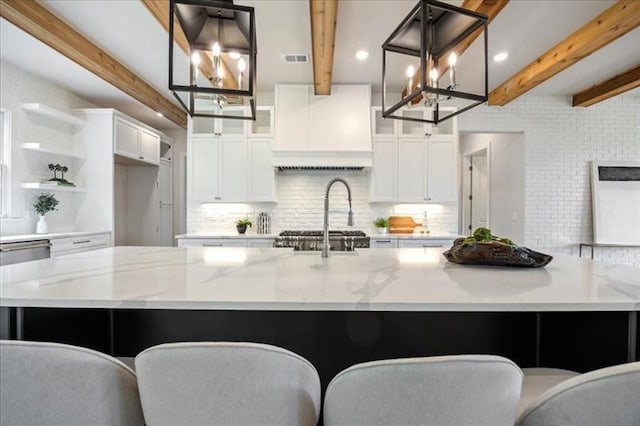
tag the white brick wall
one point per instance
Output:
(560, 141)
(17, 87)
(301, 205)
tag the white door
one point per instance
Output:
(165, 225)
(165, 182)
(479, 191)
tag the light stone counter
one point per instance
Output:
(280, 279)
(50, 236)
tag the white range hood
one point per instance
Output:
(323, 131)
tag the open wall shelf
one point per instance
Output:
(53, 113)
(43, 187)
(44, 148)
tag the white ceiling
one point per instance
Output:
(128, 32)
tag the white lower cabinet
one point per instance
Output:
(70, 245)
(225, 242)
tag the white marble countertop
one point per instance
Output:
(197, 235)
(50, 236)
(280, 279)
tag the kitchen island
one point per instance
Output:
(354, 306)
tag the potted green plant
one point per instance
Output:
(241, 225)
(44, 204)
(382, 224)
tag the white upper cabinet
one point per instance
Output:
(136, 142)
(292, 116)
(417, 168)
(416, 129)
(219, 169)
(234, 169)
(149, 146)
(426, 170)
(205, 169)
(384, 182)
(380, 126)
(339, 122)
(210, 126)
(262, 186)
(262, 127)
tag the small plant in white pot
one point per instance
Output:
(382, 224)
(44, 204)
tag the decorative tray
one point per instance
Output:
(489, 250)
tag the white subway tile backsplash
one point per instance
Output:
(301, 205)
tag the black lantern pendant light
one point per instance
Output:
(219, 76)
(428, 40)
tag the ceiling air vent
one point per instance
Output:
(295, 58)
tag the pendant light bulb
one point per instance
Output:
(453, 58)
(433, 75)
(410, 71)
(242, 65)
(215, 49)
(195, 59)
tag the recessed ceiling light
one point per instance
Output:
(361, 55)
(500, 56)
(234, 55)
(159, 114)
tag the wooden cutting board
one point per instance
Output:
(402, 224)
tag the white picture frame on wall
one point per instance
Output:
(615, 187)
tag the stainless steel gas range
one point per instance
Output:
(312, 240)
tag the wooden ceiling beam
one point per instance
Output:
(323, 33)
(491, 8)
(160, 9)
(614, 86)
(52, 31)
(611, 24)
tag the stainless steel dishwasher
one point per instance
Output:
(10, 253)
(23, 251)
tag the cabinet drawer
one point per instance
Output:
(383, 243)
(425, 243)
(61, 246)
(211, 242)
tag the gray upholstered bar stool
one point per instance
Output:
(54, 384)
(609, 396)
(226, 383)
(448, 390)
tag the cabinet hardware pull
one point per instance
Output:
(383, 241)
(211, 245)
(140, 157)
(82, 242)
(432, 245)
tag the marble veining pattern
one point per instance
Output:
(414, 279)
